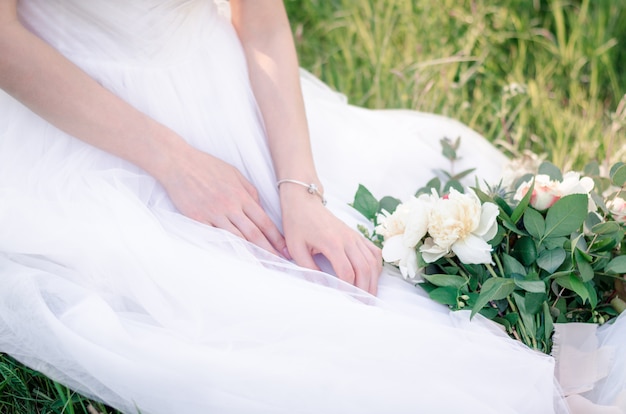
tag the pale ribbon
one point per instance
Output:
(580, 363)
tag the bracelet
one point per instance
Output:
(311, 188)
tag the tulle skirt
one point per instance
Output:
(108, 289)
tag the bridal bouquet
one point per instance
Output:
(543, 248)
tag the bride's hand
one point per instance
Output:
(310, 229)
(214, 192)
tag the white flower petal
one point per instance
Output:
(416, 223)
(432, 252)
(408, 264)
(472, 250)
(587, 184)
(393, 249)
(488, 226)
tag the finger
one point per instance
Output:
(361, 265)
(374, 260)
(250, 189)
(263, 222)
(225, 224)
(337, 257)
(251, 232)
(303, 257)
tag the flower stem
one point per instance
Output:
(491, 271)
(498, 263)
(525, 336)
(460, 267)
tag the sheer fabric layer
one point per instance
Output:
(110, 290)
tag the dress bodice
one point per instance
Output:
(120, 30)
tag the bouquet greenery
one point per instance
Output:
(539, 249)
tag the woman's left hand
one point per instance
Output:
(310, 229)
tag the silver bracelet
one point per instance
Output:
(311, 188)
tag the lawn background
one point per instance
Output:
(540, 75)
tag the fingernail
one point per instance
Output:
(286, 253)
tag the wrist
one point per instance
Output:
(165, 154)
(293, 191)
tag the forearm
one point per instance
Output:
(265, 33)
(60, 92)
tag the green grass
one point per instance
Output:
(24, 391)
(457, 58)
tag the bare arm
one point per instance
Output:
(201, 186)
(309, 228)
(50, 85)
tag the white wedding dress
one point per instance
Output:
(105, 287)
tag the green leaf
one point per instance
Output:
(504, 206)
(453, 184)
(512, 266)
(551, 171)
(489, 313)
(389, 204)
(584, 268)
(534, 223)
(573, 283)
(616, 265)
(548, 322)
(604, 244)
(523, 204)
(495, 288)
(554, 242)
(592, 220)
(550, 260)
(446, 280)
(566, 215)
(593, 295)
(592, 168)
(618, 174)
(606, 228)
(512, 317)
(502, 321)
(463, 174)
(444, 295)
(534, 302)
(532, 286)
(526, 317)
(434, 183)
(559, 310)
(525, 250)
(615, 167)
(511, 227)
(447, 149)
(365, 203)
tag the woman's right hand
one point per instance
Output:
(214, 192)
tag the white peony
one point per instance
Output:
(400, 246)
(573, 184)
(617, 207)
(546, 192)
(390, 225)
(459, 223)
